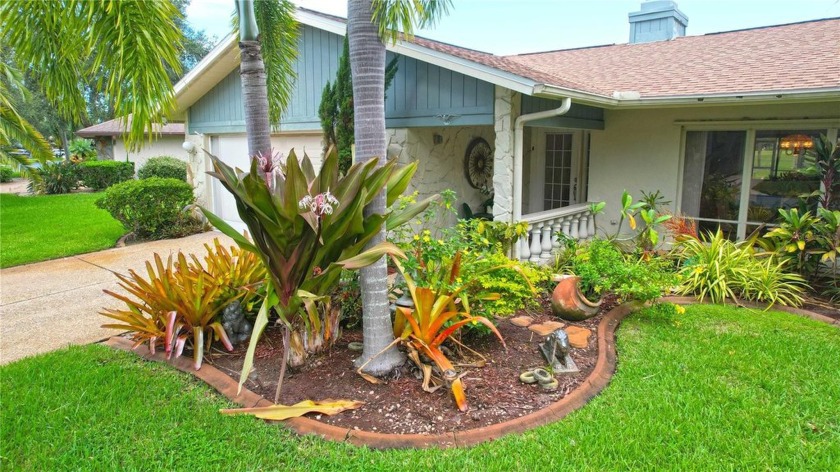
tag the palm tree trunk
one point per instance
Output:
(254, 90)
(367, 64)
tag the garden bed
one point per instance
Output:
(400, 406)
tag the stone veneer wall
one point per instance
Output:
(440, 166)
(506, 110)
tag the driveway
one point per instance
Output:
(52, 304)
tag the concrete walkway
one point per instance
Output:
(48, 305)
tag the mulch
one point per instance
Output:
(400, 405)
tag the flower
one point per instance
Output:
(417, 237)
(321, 204)
(426, 239)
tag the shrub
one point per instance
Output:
(100, 175)
(54, 178)
(603, 268)
(718, 268)
(81, 150)
(513, 282)
(151, 208)
(165, 167)
(6, 174)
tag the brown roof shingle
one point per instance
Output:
(115, 128)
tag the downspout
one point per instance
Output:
(518, 152)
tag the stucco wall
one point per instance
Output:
(162, 146)
(642, 149)
(440, 166)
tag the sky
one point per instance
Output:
(518, 26)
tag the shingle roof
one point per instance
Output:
(797, 56)
(115, 128)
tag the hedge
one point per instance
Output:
(165, 167)
(100, 175)
(152, 208)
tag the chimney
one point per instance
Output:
(659, 20)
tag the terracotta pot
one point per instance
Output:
(568, 303)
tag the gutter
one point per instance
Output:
(518, 152)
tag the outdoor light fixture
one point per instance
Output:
(796, 143)
(189, 146)
(447, 119)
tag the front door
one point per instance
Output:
(556, 164)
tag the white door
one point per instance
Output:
(556, 179)
(233, 151)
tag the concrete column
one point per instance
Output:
(506, 111)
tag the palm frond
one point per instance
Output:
(393, 17)
(15, 130)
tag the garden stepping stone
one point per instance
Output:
(578, 337)
(522, 321)
(544, 329)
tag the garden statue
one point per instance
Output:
(236, 326)
(556, 349)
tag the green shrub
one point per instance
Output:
(100, 175)
(602, 268)
(165, 167)
(81, 150)
(6, 174)
(151, 208)
(510, 283)
(54, 178)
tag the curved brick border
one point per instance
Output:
(594, 383)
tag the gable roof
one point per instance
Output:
(799, 61)
(115, 128)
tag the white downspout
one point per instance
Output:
(518, 152)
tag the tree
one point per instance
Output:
(58, 40)
(369, 23)
(336, 108)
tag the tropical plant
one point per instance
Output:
(81, 150)
(306, 227)
(369, 23)
(241, 274)
(173, 303)
(436, 317)
(827, 168)
(151, 208)
(99, 175)
(797, 240)
(165, 167)
(14, 129)
(54, 178)
(769, 282)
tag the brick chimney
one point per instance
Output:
(658, 20)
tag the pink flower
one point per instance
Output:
(321, 204)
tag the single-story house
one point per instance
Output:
(720, 124)
(168, 140)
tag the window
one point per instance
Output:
(738, 180)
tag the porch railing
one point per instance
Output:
(575, 221)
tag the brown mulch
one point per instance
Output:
(400, 405)
(822, 306)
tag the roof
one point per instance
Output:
(115, 128)
(798, 61)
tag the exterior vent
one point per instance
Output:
(659, 20)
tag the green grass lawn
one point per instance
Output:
(45, 227)
(717, 388)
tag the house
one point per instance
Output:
(720, 124)
(110, 144)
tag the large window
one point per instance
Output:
(738, 180)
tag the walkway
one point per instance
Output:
(48, 305)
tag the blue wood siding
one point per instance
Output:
(418, 93)
(421, 91)
(579, 116)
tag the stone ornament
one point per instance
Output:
(556, 351)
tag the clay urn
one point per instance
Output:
(568, 303)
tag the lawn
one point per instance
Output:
(45, 227)
(717, 388)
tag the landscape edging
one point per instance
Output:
(591, 386)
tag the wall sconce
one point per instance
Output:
(796, 143)
(437, 138)
(189, 146)
(447, 119)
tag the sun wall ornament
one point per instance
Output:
(478, 164)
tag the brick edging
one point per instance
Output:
(591, 386)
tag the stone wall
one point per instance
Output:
(440, 166)
(506, 111)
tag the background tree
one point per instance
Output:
(369, 23)
(336, 108)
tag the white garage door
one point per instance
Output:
(233, 150)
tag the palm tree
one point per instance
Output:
(14, 129)
(369, 24)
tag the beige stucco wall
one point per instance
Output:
(162, 146)
(642, 149)
(440, 166)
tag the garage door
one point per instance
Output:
(233, 150)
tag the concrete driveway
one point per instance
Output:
(52, 304)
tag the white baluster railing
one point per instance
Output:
(575, 221)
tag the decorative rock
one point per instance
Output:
(578, 337)
(522, 321)
(544, 329)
